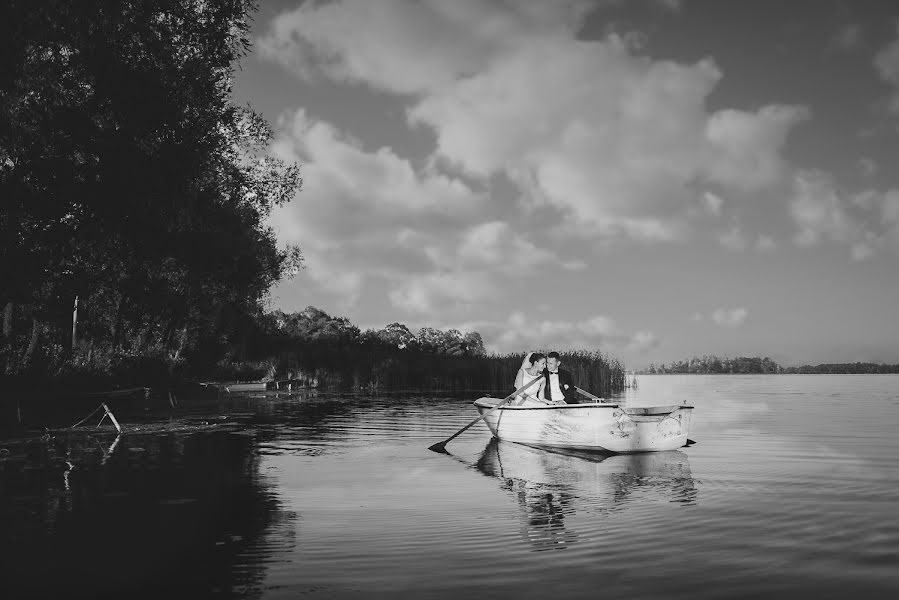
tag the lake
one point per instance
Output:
(791, 489)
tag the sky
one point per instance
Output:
(653, 179)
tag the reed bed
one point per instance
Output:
(379, 369)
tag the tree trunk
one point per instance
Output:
(36, 328)
(75, 324)
(7, 320)
(182, 341)
(117, 322)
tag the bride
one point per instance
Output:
(531, 368)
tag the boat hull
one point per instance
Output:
(596, 427)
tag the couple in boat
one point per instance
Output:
(555, 387)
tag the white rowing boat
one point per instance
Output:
(597, 426)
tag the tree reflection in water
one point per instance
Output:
(554, 484)
(139, 516)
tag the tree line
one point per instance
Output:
(856, 368)
(711, 365)
(314, 347)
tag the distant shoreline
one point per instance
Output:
(744, 365)
(784, 373)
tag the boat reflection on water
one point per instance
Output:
(552, 485)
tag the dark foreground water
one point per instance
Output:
(792, 490)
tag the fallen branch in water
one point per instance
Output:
(108, 413)
(87, 417)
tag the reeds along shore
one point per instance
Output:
(394, 370)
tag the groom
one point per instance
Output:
(559, 385)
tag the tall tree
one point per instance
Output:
(128, 176)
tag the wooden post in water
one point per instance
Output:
(111, 418)
(75, 323)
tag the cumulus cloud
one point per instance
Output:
(673, 5)
(494, 244)
(612, 140)
(736, 238)
(733, 317)
(868, 221)
(848, 37)
(733, 238)
(469, 265)
(747, 145)
(355, 203)
(765, 243)
(724, 317)
(519, 332)
(370, 216)
(886, 62)
(867, 166)
(712, 203)
(430, 292)
(410, 46)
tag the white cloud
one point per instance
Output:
(867, 166)
(611, 140)
(520, 332)
(747, 146)
(867, 221)
(362, 217)
(712, 203)
(733, 317)
(765, 243)
(354, 203)
(886, 62)
(468, 265)
(410, 46)
(441, 291)
(673, 5)
(817, 209)
(848, 37)
(495, 244)
(733, 238)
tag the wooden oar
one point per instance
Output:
(589, 395)
(441, 446)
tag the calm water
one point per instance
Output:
(792, 488)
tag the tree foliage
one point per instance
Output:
(131, 181)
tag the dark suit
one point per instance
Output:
(564, 379)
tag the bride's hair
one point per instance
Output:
(529, 360)
(536, 356)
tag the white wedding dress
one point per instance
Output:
(530, 394)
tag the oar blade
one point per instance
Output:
(439, 447)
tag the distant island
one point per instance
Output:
(713, 365)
